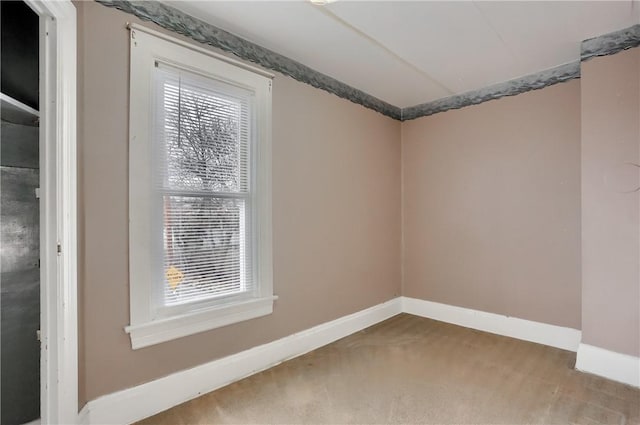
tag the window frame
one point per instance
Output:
(146, 327)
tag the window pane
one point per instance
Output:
(204, 252)
(204, 134)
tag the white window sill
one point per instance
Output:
(162, 330)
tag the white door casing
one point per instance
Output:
(58, 211)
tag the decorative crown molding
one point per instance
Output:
(609, 44)
(508, 88)
(177, 21)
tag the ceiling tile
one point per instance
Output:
(448, 40)
(300, 31)
(546, 34)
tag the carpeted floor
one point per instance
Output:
(415, 370)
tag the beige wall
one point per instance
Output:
(611, 215)
(491, 206)
(336, 216)
(491, 210)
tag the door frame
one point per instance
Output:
(58, 212)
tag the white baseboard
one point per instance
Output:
(142, 401)
(541, 333)
(609, 364)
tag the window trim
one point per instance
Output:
(147, 47)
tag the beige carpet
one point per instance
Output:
(414, 370)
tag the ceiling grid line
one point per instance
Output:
(325, 11)
(514, 55)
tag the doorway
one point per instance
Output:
(19, 215)
(39, 226)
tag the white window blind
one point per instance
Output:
(202, 141)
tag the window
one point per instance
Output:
(199, 190)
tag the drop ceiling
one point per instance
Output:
(408, 53)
